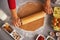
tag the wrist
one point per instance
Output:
(14, 16)
(14, 13)
(48, 1)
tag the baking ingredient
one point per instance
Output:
(58, 24)
(56, 28)
(56, 19)
(8, 28)
(12, 32)
(58, 38)
(41, 38)
(56, 13)
(31, 15)
(29, 8)
(57, 33)
(49, 39)
(52, 34)
(59, 19)
(15, 35)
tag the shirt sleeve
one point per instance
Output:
(12, 4)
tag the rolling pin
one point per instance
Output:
(33, 22)
(33, 17)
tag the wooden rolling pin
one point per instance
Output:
(33, 22)
(33, 17)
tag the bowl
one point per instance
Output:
(41, 36)
(50, 38)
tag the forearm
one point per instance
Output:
(48, 9)
(48, 2)
(12, 6)
(13, 13)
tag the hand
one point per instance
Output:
(16, 21)
(47, 7)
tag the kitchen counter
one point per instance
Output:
(26, 34)
(4, 35)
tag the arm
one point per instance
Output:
(15, 18)
(48, 2)
(12, 6)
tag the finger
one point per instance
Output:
(19, 23)
(51, 11)
(14, 24)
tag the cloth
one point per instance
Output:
(12, 4)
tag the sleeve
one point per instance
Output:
(12, 4)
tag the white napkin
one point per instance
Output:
(3, 15)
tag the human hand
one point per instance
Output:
(47, 7)
(16, 21)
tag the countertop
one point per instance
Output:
(27, 35)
